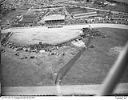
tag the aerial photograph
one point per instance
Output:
(64, 47)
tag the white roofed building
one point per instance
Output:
(53, 19)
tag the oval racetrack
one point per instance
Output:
(34, 35)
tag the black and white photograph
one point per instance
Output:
(64, 48)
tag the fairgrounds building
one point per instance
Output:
(79, 12)
(53, 19)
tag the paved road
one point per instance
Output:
(99, 25)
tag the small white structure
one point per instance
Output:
(54, 17)
(78, 43)
(42, 51)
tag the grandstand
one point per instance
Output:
(53, 19)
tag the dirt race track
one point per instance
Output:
(33, 35)
(26, 36)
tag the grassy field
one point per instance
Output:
(94, 65)
(91, 68)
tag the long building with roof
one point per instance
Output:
(53, 19)
(79, 12)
